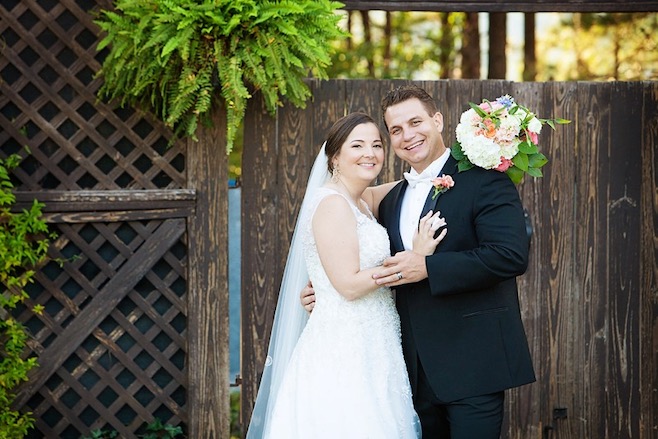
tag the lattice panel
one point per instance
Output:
(130, 368)
(48, 102)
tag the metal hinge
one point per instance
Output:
(237, 382)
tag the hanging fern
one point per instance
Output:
(171, 56)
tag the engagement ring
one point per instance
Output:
(399, 275)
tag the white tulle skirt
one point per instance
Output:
(347, 378)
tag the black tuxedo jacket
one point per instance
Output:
(463, 322)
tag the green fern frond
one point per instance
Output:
(166, 55)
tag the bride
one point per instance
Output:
(340, 374)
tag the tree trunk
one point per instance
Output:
(445, 46)
(367, 39)
(349, 29)
(387, 45)
(529, 56)
(471, 47)
(497, 45)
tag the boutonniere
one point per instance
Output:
(441, 184)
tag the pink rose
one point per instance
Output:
(442, 184)
(490, 106)
(445, 181)
(504, 164)
(533, 137)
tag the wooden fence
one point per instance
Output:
(589, 298)
(135, 324)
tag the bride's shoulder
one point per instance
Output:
(328, 194)
(326, 200)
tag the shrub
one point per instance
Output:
(24, 241)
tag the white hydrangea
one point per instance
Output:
(510, 127)
(469, 117)
(510, 149)
(481, 151)
(534, 125)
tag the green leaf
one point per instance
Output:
(521, 161)
(478, 110)
(534, 172)
(464, 165)
(457, 152)
(515, 174)
(537, 160)
(528, 147)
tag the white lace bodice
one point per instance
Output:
(374, 247)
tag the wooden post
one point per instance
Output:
(208, 329)
(261, 255)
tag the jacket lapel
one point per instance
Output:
(394, 220)
(449, 168)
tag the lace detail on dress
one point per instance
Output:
(347, 377)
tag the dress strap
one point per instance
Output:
(354, 207)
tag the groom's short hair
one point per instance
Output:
(406, 92)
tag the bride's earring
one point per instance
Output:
(334, 174)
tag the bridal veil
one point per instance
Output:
(290, 317)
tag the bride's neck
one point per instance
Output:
(353, 190)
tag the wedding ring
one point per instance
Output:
(399, 275)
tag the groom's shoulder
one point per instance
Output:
(477, 174)
(392, 195)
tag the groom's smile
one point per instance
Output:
(415, 135)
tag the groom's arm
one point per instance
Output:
(500, 251)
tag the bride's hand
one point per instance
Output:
(424, 242)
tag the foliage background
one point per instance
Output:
(429, 46)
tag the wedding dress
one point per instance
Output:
(346, 377)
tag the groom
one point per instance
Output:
(462, 335)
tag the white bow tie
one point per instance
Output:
(414, 179)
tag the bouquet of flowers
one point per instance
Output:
(501, 135)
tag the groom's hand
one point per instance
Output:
(404, 268)
(307, 297)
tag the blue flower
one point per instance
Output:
(507, 101)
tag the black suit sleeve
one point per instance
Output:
(492, 245)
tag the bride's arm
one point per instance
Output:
(334, 229)
(373, 195)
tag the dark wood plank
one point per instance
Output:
(207, 295)
(591, 248)
(101, 305)
(110, 200)
(329, 104)
(550, 315)
(623, 226)
(297, 151)
(562, 358)
(525, 405)
(118, 216)
(648, 315)
(504, 6)
(259, 222)
(458, 95)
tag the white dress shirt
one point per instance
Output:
(415, 197)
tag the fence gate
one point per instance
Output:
(588, 298)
